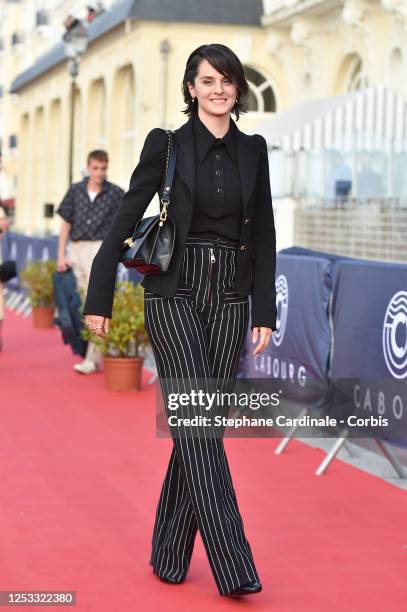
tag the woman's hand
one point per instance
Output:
(265, 335)
(97, 324)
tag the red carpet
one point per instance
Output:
(81, 476)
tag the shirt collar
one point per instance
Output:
(105, 185)
(205, 140)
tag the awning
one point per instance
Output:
(370, 119)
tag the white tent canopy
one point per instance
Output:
(369, 119)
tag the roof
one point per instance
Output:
(239, 12)
(242, 12)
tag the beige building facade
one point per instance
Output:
(130, 80)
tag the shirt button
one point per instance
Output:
(218, 172)
(247, 220)
(219, 190)
(217, 155)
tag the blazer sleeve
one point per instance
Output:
(264, 308)
(144, 183)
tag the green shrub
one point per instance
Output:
(36, 277)
(127, 334)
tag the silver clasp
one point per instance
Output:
(163, 213)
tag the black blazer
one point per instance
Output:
(256, 258)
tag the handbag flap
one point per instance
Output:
(143, 226)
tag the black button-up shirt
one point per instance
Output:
(89, 220)
(218, 199)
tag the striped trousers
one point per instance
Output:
(199, 333)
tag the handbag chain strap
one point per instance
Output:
(169, 174)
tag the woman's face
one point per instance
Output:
(216, 94)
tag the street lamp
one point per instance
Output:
(75, 42)
(165, 49)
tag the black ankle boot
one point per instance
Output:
(248, 588)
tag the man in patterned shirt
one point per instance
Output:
(87, 210)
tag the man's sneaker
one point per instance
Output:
(87, 367)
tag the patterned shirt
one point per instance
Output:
(89, 220)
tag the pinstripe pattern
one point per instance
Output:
(199, 333)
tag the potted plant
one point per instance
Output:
(36, 277)
(121, 347)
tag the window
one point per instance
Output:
(16, 39)
(261, 95)
(41, 18)
(358, 79)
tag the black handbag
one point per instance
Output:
(8, 270)
(151, 245)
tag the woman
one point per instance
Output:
(4, 225)
(197, 313)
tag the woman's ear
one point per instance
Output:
(191, 89)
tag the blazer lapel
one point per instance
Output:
(246, 157)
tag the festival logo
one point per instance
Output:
(282, 309)
(395, 335)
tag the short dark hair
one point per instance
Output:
(225, 61)
(98, 154)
